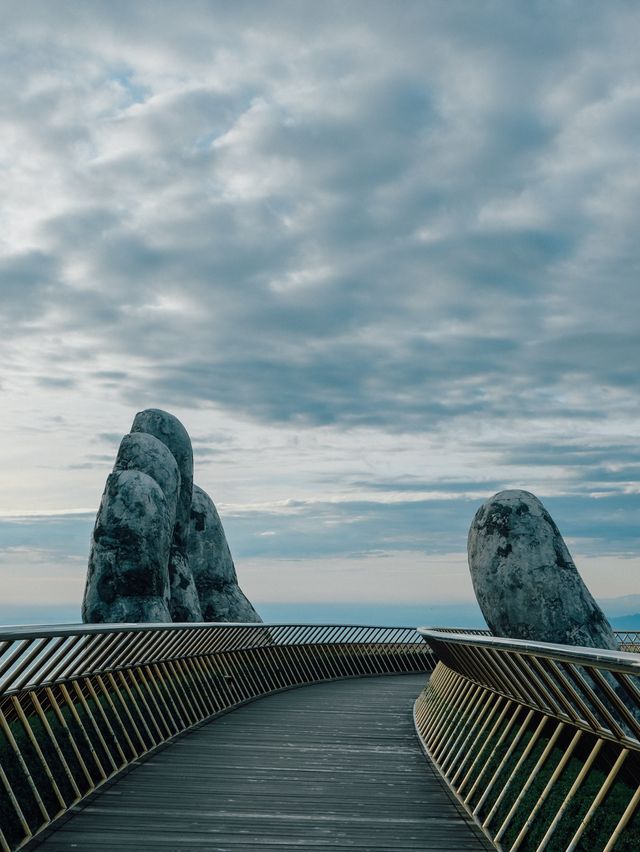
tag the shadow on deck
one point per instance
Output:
(330, 766)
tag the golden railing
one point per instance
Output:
(539, 742)
(629, 639)
(81, 703)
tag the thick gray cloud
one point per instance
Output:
(397, 222)
(321, 215)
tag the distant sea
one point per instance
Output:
(450, 615)
(409, 615)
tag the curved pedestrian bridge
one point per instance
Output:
(330, 766)
(243, 737)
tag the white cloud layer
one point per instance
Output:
(381, 259)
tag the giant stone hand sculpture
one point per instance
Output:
(139, 569)
(525, 579)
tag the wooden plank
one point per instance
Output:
(330, 766)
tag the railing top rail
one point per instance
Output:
(10, 633)
(473, 631)
(620, 661)
(33, 655)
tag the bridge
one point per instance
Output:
(241, 737)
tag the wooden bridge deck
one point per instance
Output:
(330, 766)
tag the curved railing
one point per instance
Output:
(540, 742)
(628, 640)
(80, 703)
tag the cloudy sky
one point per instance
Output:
(381, 258)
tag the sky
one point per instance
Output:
(380, 258)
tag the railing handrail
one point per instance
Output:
(49, 654)
(620, 661)
(42, 631)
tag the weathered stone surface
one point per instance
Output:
(221, 599)
(184, 603)
(143, 452)
(139, 567)
(524, 578)
(170, 431)
(128, 578)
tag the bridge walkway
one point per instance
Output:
(330, 766)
